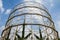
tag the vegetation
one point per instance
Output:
(58, 38)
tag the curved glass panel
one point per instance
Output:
(29, 21)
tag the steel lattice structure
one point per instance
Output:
(29, 21)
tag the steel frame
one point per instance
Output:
(7, 30)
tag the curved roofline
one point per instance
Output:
(29, 14)
(25, 2)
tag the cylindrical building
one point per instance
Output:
(29, 21)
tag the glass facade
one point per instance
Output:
(29, 21)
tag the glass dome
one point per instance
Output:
(30, 21)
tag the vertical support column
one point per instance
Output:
(23, 30)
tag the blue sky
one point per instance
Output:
(52, 5)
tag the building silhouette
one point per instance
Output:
(29, 21)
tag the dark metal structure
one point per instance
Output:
(29, 21)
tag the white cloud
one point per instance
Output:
(27, 0)
(1, 6)
(39, 1)
(8, 11)
(2, 27)
(51, 3)
(34, 0)
(58, 23)
(2, 9)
